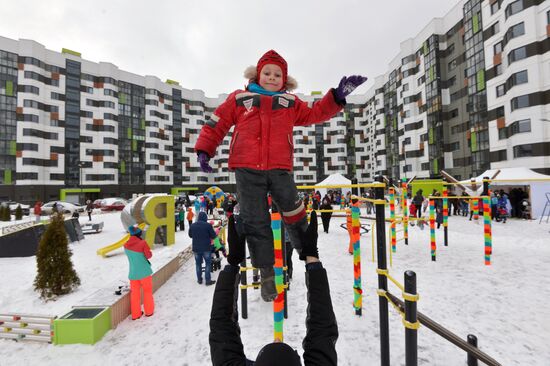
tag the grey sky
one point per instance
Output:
(207, 44)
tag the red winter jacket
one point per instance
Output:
(262, 138)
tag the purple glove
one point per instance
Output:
(348, 85)
(203, 160)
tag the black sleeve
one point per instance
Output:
(226, 347)
(322, 331)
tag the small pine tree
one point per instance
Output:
(5, 213)
(56, 275)
(18, 213)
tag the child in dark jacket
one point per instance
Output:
(202, 234)
(138, 253)
(261, 152)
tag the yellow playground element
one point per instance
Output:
(109, 248)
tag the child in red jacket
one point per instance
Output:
(261, 152)
(138, 253)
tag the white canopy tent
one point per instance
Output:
(507, 178)
(333, 179)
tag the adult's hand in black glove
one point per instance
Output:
(309, 239)
(236, 243)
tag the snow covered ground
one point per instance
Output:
(505, 305)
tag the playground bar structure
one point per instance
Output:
(382, 266)
(356, 235)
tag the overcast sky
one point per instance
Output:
(207, 44)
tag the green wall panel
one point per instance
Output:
(9, 88)
(7, 176)
(473, 141)
(481, 80)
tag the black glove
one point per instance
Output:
(236, 243)
(309, 239)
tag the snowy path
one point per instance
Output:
(505, 305)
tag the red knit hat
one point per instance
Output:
(272, 57)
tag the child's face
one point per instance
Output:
(271, 78)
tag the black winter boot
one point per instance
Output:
(268, 288)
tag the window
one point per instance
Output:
(451, 82)
(520, 77)
(520, 102)
(501, 90)
(517, 54)
(548, 17)
(452, 65)
(514, 8)
(498, 70)
(454, 146)
(495, 7)
(514, 31)
(494, 29)
(523, 151)
(450, 49)
(520, 126)
(497, 48)
(29, 89)
(405, 87)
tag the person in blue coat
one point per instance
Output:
(202, 234)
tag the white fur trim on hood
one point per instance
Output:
(251, 75)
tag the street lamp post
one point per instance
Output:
(80, 166)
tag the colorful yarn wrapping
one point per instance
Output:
(349, 225)
(392, 220)
(405, 209)
(357, 290)
(432, 229)
(445, 207)
(487, 230)
(279, 303)
(476, 209)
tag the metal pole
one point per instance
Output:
(285, 275)
(411, 335)
(244, 305)
(445, 207)
(472, 340)
(382, 280)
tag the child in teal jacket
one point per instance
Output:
(138, 253)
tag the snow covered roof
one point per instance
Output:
(512, 175)
(334, 179)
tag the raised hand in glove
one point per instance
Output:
(236, 243)
(203, 160)
(309, 239)
(347, 86)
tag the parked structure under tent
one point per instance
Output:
(334, 179)
(534, 184)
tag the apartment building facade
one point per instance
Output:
(469, 92)
(70, 123)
